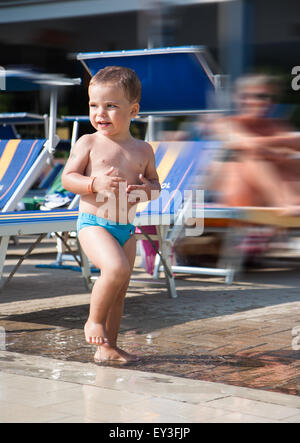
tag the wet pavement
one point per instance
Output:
(44, 390)
(239, 335)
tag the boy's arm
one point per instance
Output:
(73, 178)
(150, 178)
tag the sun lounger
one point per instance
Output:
(48, 197)
(38, 223)
(21, 163)
(42, 222)
(10, 121)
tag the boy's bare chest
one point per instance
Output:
(129, 163)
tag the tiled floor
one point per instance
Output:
(38, 389)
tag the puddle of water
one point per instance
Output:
(274, 371)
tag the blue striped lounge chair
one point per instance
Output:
(21, 163)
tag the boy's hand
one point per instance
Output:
(109, 182)
(141, 192)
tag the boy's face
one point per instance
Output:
(110, 109)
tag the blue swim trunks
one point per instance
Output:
(121, 232)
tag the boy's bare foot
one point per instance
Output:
(95, 333)
(109, 353)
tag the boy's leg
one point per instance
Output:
(105, 253)
(114, 317)
(112, 352)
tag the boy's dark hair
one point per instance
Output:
(126, 78)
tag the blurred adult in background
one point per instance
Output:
(258, 167)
